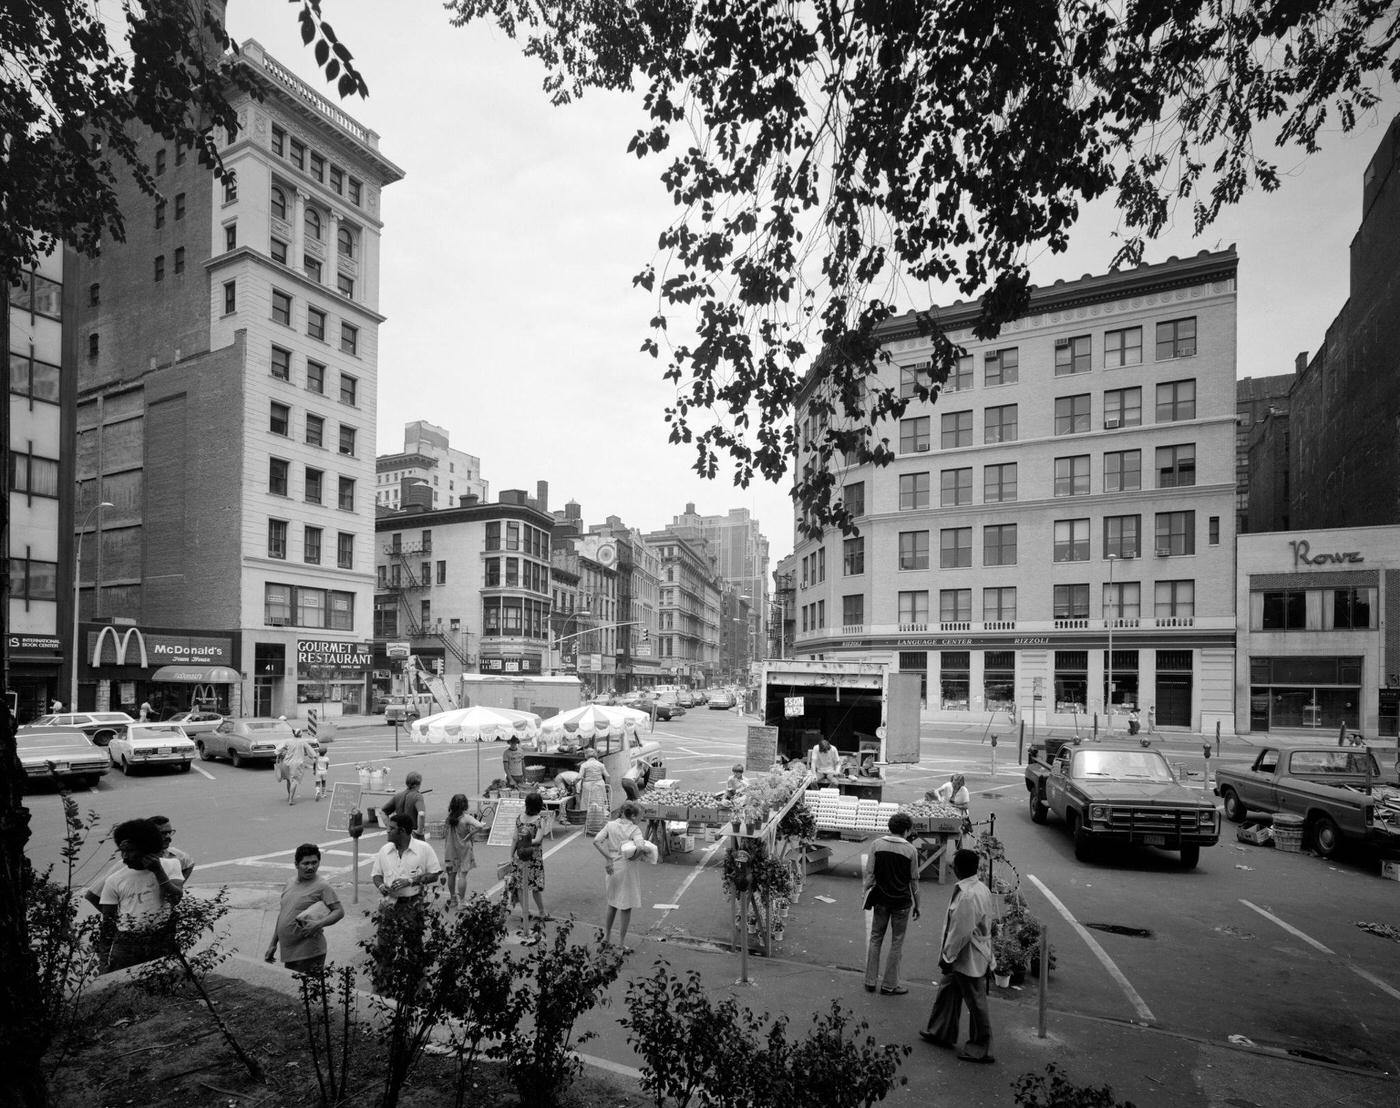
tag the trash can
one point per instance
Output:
(1288, 833)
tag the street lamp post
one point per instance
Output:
(77, 576)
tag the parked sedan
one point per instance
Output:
(143, 745)
(100, 727)
(196, 723)
(57, 754)
(722, 698)
(668, 709)
(247, 740)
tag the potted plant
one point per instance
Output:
(1011, 957)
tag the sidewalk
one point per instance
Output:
(1151, 1067)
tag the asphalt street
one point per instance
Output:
(1256, 950)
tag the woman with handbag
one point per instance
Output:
(624, 847)
(527, 859)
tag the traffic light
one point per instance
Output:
(646, 634)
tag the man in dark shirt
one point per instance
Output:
(892, 891)
(408, 802)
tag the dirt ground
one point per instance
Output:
(167, 1053)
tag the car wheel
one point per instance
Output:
(203, 751)
(1039, 811)
(1326, 838)
(103, 738)
(1235, 811)
(1190, 856)
(1083, 841)
(235, 757)
(125, 767)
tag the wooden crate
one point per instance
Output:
(678, 813)
(709, 815)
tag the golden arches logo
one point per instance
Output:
(119, 645)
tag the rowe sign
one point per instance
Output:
(397, 650)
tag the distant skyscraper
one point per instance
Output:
(428, 457)
(741, 557)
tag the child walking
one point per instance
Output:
(322, 770)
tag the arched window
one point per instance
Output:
(346, 242)
(279, 203)
(313, 224)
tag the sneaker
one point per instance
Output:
(898, 990)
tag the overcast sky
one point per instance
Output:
(509, 250)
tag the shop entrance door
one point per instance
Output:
(1173, 700)
(262, 696)
(1259, 710)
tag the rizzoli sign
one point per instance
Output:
(1303, 555)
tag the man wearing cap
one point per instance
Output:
(514, 762)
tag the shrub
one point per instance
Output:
(1052, 1089)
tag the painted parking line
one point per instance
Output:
(202, 770)
(689, 880)
(1365, 975)
(1139, 1005)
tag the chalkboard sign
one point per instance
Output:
(762, 749)
(345, 798)
(503, 823)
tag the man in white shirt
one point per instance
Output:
(139, 896)
(826, 762)
(966, 961)
(404, 865)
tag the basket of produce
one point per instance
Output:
(1288, 833)
(932, 817)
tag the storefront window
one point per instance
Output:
(1125, 679)
(999, 679)
(1071, 680)
(955, 678)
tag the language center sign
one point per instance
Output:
(132, 646)
(330, 652)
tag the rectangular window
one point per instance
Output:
(160, 162)
(94, 294)
(999, 544)
(1122, 471)
(955, 547)
(311, 546)
(1176, 533)
(277, 538)
(1175, 600)
(230, 235)
(999, 483)
(1122, 600)
(32, 580)
(230, 297)
(853, 556)
(298, 153)
(355, 191)
(279, 251)
(913, 607)
(1285, 610)
(33, 475)
(913, 550)
(318, 166)
(1072, 476)
(1122, 348)
(1213, 527)
(957, 429)
(230, 187)
(281, 364)
(160, 276)
(442, 574)
(1176, 338)
(954, 679)
(1122, 408)
(913, 491)
(1122, 536)
(345, 285)
(315, 377)
(1072, 414)
(277, 604)
(349, 389)
(347, 440)
(1351, 609)
(954, 605)
(1002, 367)
(1176, 400)
(160, 214)
(345, 550)
(33, 379)
(1001, 424)
(279, 141)
(337, 179)
(316, 323)
(179, 205)
(281, 308)
(179, 259)
(346, 497)
(1073, 355)
(349, 338)
(999, 604)
(911, 377)
(1071, 540)
(1176, 466)
(1071, 602)
(92, 345)
(853, 610)
(913, 435)
(493, 536)
(312, 268)
(315, 484)
(960, 376)
(853, 497)
(955, 487)
(277, 476)
(279, 420)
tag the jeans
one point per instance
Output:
(896, 920)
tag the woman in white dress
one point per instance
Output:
(624, 847)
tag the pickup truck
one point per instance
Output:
(1119, 794)
(1339, 792)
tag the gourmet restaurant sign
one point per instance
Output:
(329, 652)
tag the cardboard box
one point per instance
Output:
(1390, 871)
(1255, 835)
(816, 859)
(682, 844)
(678, 812)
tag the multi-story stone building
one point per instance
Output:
(226, 358)
(1261, 450)
(469, 586)
(740, 551)
(427, 459)
(689, 612)
(38, 617)
(1062, 520)
(638, 602)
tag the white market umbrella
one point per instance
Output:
(478, 723)
(592, 721)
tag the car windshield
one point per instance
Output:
(109, 717)
(1121, 765)
(44, 721)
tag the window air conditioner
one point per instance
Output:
(1164, 552)
(921, 447)
(277, 621)
(1110, 424)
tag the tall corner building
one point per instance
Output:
(226, 359)
(1061, 522)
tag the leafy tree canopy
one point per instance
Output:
(825, 157)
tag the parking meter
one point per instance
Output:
(356, 827)
(357, 824)
(742, 877)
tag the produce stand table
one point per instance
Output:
(935, 837)
(872, 788)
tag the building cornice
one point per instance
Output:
(477, 513)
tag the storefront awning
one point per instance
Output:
(198, 675)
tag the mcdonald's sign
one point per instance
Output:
(119, 645)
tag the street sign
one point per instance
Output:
(397, 649)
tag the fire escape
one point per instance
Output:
(403, 582)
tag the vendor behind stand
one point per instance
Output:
(634, 781)
(513, 760)
(826, 762)
(735, 783)
(953, 791)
